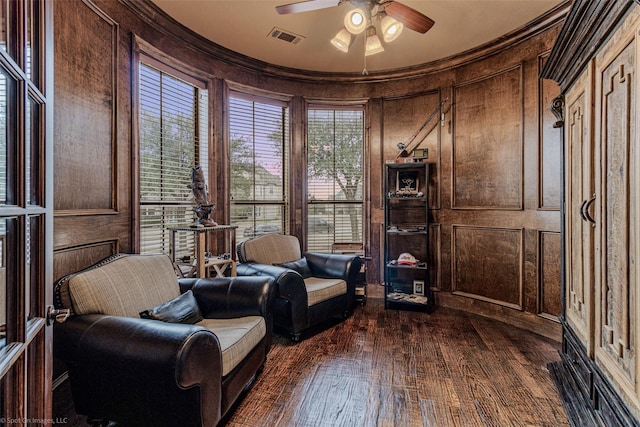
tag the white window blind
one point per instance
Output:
(5, 168)
(173, 139)
(259, 140)
(334, 177)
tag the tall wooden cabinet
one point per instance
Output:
(595, 60)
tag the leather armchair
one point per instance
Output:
(310, 287)
(140, 372)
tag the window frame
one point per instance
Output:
(355, 105)
(147, 53)
(257, 96)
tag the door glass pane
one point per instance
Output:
(35, 267)
(3, 139)
(33, 41)
(8, 156)
(8, 20)
(6, 276)
(33, 153)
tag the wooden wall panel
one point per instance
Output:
(402, 118)
(549, 256)
(69, 260)
(488, 142)
(85, 108)
(435, 254)
(487, 264)
(92, 158)
(550, 144)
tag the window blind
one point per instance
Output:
(334, 177)
(173, 139)
(259, 141)
(5, 168)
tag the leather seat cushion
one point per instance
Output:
(237, 337)
(125, 286)
(319, 290)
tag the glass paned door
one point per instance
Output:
(26, 210)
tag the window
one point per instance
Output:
(259, 139)
(334, 177)
(173, 139)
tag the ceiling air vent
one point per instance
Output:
(285, 36)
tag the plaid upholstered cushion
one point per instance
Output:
(319, 290)
(237, 337)
(271, 249)
(124, 287)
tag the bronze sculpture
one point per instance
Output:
(202, 207)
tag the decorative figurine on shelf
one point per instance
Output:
(202, 208)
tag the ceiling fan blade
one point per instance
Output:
(306, 6)
(410, 17)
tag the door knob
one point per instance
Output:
(584, 218)
(586, 210)
(58, 315)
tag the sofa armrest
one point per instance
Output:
(328, 266)
(229, 297)
(166, 369)
(290, 289)
(289, 284)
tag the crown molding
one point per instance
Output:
(156, 17)
(586, 28)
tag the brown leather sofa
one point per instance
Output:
(141, 372)
(310, 288)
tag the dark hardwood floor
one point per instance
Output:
(399, 368)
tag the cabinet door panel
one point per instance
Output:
(579, 239)
(617, 293)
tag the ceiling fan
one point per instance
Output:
(408, 16)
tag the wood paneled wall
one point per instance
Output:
(495, 180)
(487, 141)
(92, 137)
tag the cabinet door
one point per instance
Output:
(579, 191)
(617, 229)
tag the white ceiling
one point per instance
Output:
(244, 26)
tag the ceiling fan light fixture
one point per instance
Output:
(373, 44)
(343, 40)
(391, 28)
(355, 21)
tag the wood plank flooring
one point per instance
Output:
(398, 368)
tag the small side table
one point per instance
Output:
(201, 264)
(355, 248)
(220, 266)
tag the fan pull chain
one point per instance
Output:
(364, 51)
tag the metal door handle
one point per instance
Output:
(587, 205)
(58, 315)
(584, 218)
